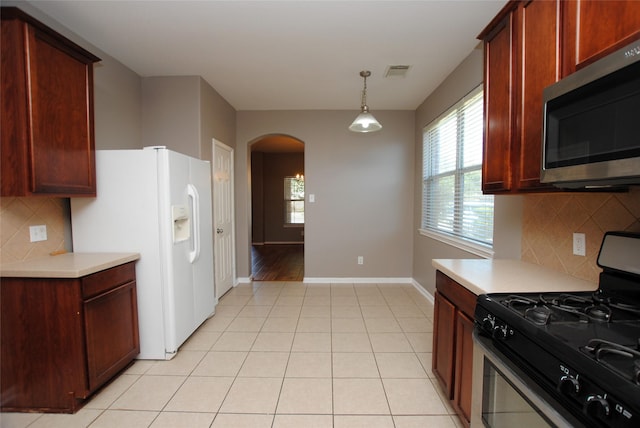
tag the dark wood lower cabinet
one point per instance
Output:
(444, 342)
(453, 343)
(464, 366)
(64, 338)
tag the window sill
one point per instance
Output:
(295, 225)
(462, 244)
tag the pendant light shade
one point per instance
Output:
(365, 122)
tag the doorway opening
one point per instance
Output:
(277, 208)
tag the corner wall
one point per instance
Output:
(507, 209)
(117, 120)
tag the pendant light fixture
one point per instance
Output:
(365, 122)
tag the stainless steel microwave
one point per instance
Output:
(591, 128)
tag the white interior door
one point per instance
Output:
(223, 218)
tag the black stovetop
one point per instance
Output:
(599, 326)
(583, 347)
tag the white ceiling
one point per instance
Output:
(287, 55)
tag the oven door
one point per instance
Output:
(504, 396)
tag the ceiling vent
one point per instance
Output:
(396, 71)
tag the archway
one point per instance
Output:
(277, 208)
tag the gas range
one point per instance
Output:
(582, 348)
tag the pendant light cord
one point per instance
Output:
(363, 105)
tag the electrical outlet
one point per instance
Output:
(360, 260)
(579, 244)
(38, 233)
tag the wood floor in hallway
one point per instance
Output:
(277, 262)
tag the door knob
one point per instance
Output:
(219, 231)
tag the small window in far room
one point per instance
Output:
(294, 200)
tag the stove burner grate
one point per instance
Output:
(613, 302)
(608, 353)
(549, 308)
(538, 314)
(598, 312)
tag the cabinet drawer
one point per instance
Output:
(462, 298)
(102, 281)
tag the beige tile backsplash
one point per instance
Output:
(549, 221)
(17, 214)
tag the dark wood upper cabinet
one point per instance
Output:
(595, 28)
(499, 111)
(530, 45)
(47, 131)
(521, 59)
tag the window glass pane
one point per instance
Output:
(295, 212)
(477, 211)
(441, 210)
(294, 200)
(442, 142)
(452, 200)
(473, 123)
(293, 188)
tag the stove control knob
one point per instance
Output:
(488, 324)
(569, 385)
(501, 332)
(597, 406)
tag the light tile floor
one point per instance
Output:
(279, 355)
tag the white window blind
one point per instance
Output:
(452, 199)
(294, 200)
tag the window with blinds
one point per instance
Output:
(452, 201)
(294, 200)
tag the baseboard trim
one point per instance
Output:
(282, 242)
(423, 291)
(318, 280)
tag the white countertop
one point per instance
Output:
(482, 276)
(68, 265)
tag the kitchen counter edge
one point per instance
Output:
(482, 276)
(68, 265)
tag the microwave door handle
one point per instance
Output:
(194, 198)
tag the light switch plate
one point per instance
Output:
(579, 244)
(38, 233)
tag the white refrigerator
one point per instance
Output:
(158, 203)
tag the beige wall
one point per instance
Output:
(218, 120)
(117, 104)
(184, 113)
(362, 184)
(508, 209)
(171, 113)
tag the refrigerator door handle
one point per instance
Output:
(194, 197)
